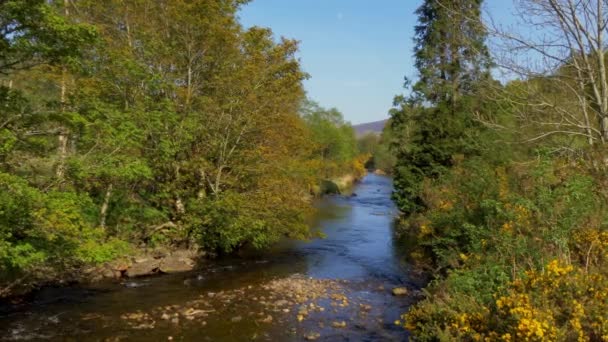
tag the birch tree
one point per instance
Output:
(559, 54)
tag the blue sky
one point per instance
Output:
(356, 51)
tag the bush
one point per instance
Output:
(234, 220)
(558, 303)
(492, 227)
(41, 230)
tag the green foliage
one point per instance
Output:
(33, 32)
(334, 140)
(368, 143)
(378, 147)
(55, 229)
(436, 122)
(450, 52)
(489, 225)
(516, 234)
(236, 219)
(115, 133)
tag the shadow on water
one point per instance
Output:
(358, 250)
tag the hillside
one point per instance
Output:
(370, 127)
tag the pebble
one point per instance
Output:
(312, 336)
(341, 324)
(281, 302)
(365, 307)
(400, 291)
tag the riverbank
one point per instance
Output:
(141, 262)
(336, 288)
(336, 185)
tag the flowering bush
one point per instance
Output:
(522, 249)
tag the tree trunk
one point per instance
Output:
(103, 214)
(63, 132)
(202, 193)
(602, 71)
(604, 128)
(179, 205)
(63, 153)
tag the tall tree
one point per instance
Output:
(452, 62)
(450, 51)
(566, 96)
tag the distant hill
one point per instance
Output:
(370, 127)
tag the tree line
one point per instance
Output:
(501, 172)
(137, 124)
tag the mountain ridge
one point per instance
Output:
(374, 127)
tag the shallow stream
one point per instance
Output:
(334, 289)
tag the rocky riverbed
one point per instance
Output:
(304, 307)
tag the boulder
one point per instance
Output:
(329, 187)
(159, 253)
(143, 267)
(175, 263)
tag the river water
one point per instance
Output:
(333, 289)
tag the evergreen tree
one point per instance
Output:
(452, 62)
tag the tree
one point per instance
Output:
(568, 60)
(32, 33)
(176, 126)
(333, 138)
(436, 121)
(450, 52)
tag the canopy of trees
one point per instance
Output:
(146, 123)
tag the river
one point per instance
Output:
(333, 289)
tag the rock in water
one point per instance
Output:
(312, 336)
(341, 324)
(175, 264)
(400, 291)
(142, 268)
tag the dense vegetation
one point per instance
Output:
(130, 124)
(135, 124)
(378, 147)
(503, 186)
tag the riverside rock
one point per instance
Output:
(143, 267)
(175, 264)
